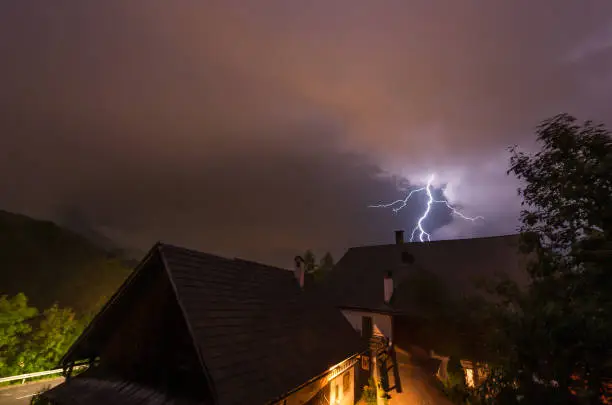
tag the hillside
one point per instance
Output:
(52, 264)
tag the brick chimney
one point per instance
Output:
(299, 270)
(388, 286)
(399, 237)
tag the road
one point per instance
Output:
(23, 393)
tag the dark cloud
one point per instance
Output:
(258, 128)
(263, 203)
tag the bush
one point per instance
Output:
(369, 392)
(454, 386)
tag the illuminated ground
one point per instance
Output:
(416, 389)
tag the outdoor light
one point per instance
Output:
(469, 377)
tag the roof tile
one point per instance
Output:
(257, 331)
(357, 279)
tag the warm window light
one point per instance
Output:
(469, 377)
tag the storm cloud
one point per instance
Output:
(262, 128)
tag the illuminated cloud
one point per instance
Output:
(226, 125)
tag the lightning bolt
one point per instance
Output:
(397, 205)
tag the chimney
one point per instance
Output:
(388, 286)
(399, 237)
(299, 270)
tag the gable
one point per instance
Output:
(141, 337)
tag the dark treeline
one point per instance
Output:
(318, 269)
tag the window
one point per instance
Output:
(346, 382)
(337, 392)
(365, 362)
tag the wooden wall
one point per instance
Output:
(149, 343)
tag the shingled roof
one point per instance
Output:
(258, 335)
(357, 279)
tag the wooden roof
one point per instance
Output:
(357, 279)
(258, 335)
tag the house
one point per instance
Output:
(193, 328)
(375, 286)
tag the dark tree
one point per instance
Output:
(310, 262)
(326, 263)
(559, 330)
(568, 187)
(319, 270)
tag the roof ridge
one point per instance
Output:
(216, 256)
(161, 245)
(238, 259)
(439, 241)
(184, 313)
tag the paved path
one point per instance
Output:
(23, 393)
(416, 390)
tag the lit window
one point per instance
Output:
(365, 362)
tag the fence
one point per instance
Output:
(24, 377)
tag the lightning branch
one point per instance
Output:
(423, 235)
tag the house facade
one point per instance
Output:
(393, 290)
(370, 323)
(192, 328)
(338, 386)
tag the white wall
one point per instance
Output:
(382, 322)
(345, 396)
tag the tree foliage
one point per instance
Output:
(568, 189)
(554, 338)
(14, 316)
(310, 261)
(31, 341)
(56, 331)
(452, 323)
(320, 269)
(326, 263)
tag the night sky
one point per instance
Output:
(261, 128)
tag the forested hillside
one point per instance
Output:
(51, 265)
